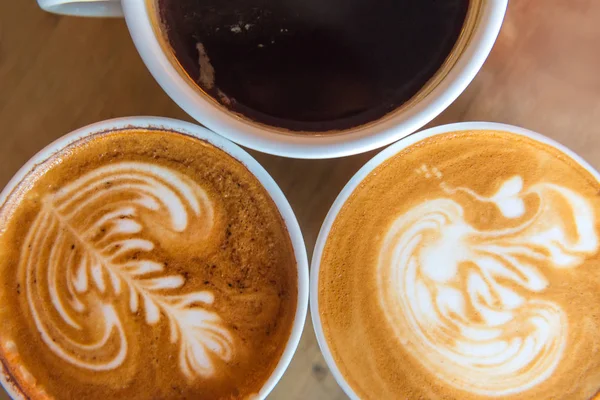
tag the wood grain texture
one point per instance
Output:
(60, 73)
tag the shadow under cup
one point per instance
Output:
(312, 66)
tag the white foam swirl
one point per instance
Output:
(85, 248)
(470, 304)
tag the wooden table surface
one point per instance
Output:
(60, 73)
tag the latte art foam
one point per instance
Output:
(143, 265)
(475, 274)
(451, 292)
(64, 250)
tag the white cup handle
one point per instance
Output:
(83, 8)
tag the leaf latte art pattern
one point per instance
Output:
(470, 305)
(85, 248)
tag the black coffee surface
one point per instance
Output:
(313, 65)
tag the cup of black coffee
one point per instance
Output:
(309, 78)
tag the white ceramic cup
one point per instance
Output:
(140, 15)
(236, 152)
(355, 182)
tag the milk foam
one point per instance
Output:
(469, 305)
(80, 250)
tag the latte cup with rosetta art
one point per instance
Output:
(146, 258)
(474, 273)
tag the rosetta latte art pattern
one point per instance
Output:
(86, 243)
(469, 304)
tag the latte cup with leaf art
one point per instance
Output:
(147, 257)
(463, 263)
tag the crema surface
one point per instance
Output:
(467, 266)
(143, 264)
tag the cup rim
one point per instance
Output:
(240, 155)
(355, 181)
(313, 146)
